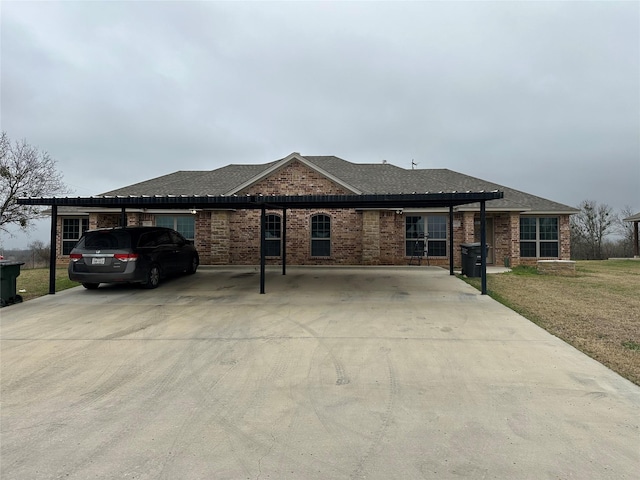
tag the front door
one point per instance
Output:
(476, 237)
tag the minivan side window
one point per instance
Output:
(148, 240)
(177, 239)
(164, 239)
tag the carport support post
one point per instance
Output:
(263, 228)
(284, 241)
(483, 246)
(53, 254)
(451, 240)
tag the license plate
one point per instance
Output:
(97, 261)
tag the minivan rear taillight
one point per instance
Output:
(126, 257)
(75, 256)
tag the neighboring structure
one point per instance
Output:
(521, 228)
(636, 243)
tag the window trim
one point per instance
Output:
(175, 224)
(274, 239)
(430, 240)
(538, 241)
(83, 227)
(319, 239)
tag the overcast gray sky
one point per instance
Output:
(539, 96)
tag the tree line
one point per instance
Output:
(598, 232)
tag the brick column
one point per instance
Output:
(370, 237)
(468, 228)
(202, 238)
(565, 238)
(133, 219)
(514, 238)
(220, 238)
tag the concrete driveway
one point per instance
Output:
(335, 373)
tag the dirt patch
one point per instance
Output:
(597, 311)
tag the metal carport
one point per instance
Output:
(283, 202)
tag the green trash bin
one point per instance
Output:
(9, 272)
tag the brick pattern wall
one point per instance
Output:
(295, 179)
(392, 238)
(506, 244)
(514, 226)
(370, 238)
(565, 237)
(556, 267)
(60, 259)
(207, 238)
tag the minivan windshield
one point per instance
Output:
(106, 240)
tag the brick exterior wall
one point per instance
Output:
(208, 232)
(228, 237)
(370, 238)
(392, 238)
(565, 238)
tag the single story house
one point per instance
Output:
(520, 228)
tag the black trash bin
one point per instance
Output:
(471, 259)
(9, 272)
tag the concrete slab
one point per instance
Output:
(336, 373)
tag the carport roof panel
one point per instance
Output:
(415, 200)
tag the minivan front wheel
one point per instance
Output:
(90, 286)
(153, 277)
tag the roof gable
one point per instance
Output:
(288, 160)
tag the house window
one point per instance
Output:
(437, 235)
(320, 236)
(184, 224)
(273, 235)
(72, 230)
(539, 237)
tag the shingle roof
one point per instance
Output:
(379, 178)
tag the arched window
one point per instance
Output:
(273, 236)
(320, 236)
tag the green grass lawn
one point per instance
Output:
(35, 282)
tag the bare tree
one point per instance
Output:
(625, 231)
(39, 252)
(590, 227)
(25, 171)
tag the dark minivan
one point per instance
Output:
(141, 255)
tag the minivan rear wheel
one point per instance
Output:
(153, 277)
(193, 266)
(90, 286)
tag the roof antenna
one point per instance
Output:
(413, 164)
